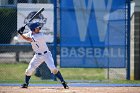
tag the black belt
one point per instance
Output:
(41, 53)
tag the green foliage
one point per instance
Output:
(8, 24)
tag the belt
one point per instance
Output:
(41, 53)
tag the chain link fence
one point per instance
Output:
(15, 53)
(21, 54)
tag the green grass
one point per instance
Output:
(14, 73)
(10, 73)
(125, 81)
(83, 73)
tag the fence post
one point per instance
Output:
(55, 35)
(17, 56)
(137, 40)
(128, 40)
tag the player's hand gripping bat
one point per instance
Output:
(20, 31)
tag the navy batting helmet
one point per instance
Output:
(39, 18)
(34, 25)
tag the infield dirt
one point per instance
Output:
(15, 89)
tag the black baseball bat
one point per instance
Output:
(36, 14)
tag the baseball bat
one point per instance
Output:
(36, 14)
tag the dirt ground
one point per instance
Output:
(13, 89)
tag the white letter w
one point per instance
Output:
(83, 14)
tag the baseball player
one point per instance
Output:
(42, 53)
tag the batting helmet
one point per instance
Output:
(39, 18)
(34, 25)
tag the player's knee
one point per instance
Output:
(28, 72)
(54, 71)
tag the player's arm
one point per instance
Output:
(26, 38)
(20, 31)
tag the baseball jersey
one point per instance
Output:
(38, 42)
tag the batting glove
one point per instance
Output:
(20, 31)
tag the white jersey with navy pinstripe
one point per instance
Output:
(38, 42)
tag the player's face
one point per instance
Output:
(37, 30)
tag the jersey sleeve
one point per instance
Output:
(28, 34)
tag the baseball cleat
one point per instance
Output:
(24, 85)
(65, 85)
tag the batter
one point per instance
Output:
(42, 53)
